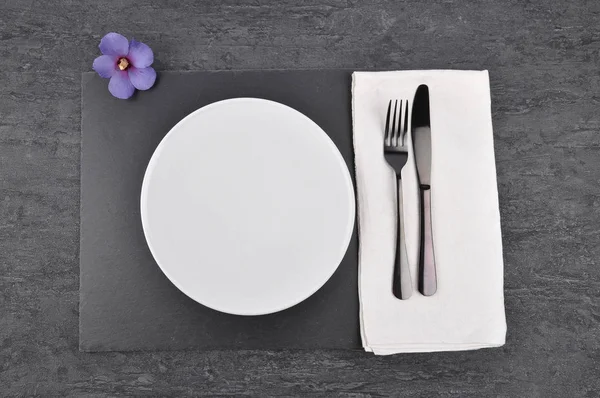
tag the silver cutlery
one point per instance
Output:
(421, 138)
(395, 150)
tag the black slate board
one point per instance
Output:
(126, 302)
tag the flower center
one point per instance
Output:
(123, 63)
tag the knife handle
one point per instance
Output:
(402, 285)
(427, 272)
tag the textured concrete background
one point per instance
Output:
(544, 62)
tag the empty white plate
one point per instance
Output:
(247, 206)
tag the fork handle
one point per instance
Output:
(427, 271)
(402, 280)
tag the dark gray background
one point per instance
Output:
(544, 62)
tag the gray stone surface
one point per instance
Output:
(544, 62)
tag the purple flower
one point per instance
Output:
(126, 64)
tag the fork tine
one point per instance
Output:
(406, 118)
(387, 124)
(399, 140)
(394, 131)
(405, 124)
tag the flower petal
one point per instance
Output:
(114, 44)
(120, 86)
(142, 78)
(140, 55)
(105, 65)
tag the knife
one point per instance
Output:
(421, 138)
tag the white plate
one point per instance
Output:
(247, 206)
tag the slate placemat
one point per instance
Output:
(126, 302)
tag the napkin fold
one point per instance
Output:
(467, 312)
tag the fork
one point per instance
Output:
(395, 151)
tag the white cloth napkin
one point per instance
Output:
(467, 312)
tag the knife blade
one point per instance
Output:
(421, 138)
